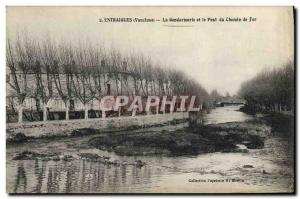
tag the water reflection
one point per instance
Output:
(79, 176)
(161, 174)
(21, 179)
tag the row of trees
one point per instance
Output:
(81, 70)
(270, 90)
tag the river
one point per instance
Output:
(271, 168)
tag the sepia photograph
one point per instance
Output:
(150, 100)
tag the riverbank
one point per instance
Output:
(183, 139)
(227, 137)
(16, 132)
(282, 123)
(173, 140)
(253, 111)
(179, 140)
(93, 169)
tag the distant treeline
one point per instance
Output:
(270, 90)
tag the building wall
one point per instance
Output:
(56, 103)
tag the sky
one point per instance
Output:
(219, 55)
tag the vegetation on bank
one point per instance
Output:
(90, 157)
(186, 141)
(270, 91)
(193, 140)
(21, 137)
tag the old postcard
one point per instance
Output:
(150, 100)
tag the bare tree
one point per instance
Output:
(270, 90)
(82, 71)
(16, 79)
(20, 61)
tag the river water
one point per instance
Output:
(206, 173)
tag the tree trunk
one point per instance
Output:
(86, 111)
(276, 108)
(20, 113)
(45, 112)
(280, 108)
(67, 110)
(133, 111)
(103, 114)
